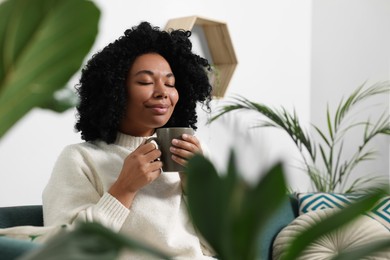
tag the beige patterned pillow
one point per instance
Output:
(362, 230)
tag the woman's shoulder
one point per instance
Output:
(80, 146)
(83, 148)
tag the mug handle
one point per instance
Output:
(152, 139)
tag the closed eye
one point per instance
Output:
(144, 83)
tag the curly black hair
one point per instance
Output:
(102, 86)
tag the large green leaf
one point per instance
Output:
(253, 217)
(229, 212)
(209, 196)
(42, 45)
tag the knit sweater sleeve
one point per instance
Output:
(74, 193)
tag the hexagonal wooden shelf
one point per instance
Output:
(219, 44)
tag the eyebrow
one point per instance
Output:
(148, 72)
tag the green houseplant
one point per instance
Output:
(322, 156)
(42, 45)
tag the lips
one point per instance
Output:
(159, 109)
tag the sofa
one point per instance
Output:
(289, 217)
(32, 215)
(18, 216)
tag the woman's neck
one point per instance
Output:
(138, 133)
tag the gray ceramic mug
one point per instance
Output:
(163, 139)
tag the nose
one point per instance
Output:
(160, 90)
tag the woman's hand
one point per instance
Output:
(184, 149)
(140, 168)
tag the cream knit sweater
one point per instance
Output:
(77, 191)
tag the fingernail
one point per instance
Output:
(175, 141)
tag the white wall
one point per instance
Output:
(272, 40)
(351, 45)
(298, 54)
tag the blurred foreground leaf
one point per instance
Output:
(228, 212)
(42, 44)
(89, 241)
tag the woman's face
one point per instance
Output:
(151, 95)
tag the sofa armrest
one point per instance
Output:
(21, 216)
(11, 248)
(286, 213)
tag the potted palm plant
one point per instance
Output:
(322, 151)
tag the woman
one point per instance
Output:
(144, 80)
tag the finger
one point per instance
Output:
(155, 167)
(191, 139)
(195, 147)
(152, 155)
(179, 160)
(181, 144)
(181, 152)
(146, 148)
